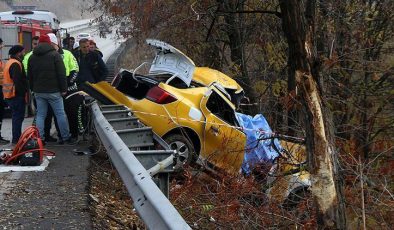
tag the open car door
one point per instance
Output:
(221, 127)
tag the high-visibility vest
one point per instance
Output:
(70, 62)
(26, 59)
(8, 83)
(1, 72)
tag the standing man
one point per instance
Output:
(49, 117)
(48, 81)
(15, 89)
(91, 66)
(34, 44)
(2, 102)
(71, 44)
(72, 104)
(93, 48)
(66, 41)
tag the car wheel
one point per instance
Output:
(184, 148)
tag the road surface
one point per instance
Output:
(56, 198)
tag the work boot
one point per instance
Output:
(50, 139)
(70, 141)
(3, 141)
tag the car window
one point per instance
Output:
(221, 109)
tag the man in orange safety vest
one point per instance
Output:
(15, 89)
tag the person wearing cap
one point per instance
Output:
(71, 104)
(48, 120)
(47, 78)
(2, 102)
(15, 89)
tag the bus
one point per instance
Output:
(40, 15)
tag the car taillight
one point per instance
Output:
(160, 96)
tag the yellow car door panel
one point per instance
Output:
(224, 143)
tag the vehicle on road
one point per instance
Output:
(20, 30)
(19, 27)
(40, 15)
(83, 35)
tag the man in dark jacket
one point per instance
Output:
(91, 66)
(15, 89)
(47, 76)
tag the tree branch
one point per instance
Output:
(276, 13)
(212, 23)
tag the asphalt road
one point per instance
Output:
(56, 198)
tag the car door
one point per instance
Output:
(224, 143)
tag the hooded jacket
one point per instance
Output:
(46, 71)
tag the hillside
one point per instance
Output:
(65, 10)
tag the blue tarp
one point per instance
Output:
(257, 151)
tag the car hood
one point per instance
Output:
(207, 76)
(170, 60)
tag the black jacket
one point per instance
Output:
(91, 67)
(18, 76)
(46, 71)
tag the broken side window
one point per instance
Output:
(221, 109)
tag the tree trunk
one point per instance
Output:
(236, 38)
(298, 26)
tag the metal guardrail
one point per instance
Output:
(74, 29)
(151, 204)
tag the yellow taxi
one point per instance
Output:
(191, 108)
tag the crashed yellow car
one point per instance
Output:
(196, 121)
(191, 108)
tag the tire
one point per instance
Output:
(185, 149)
